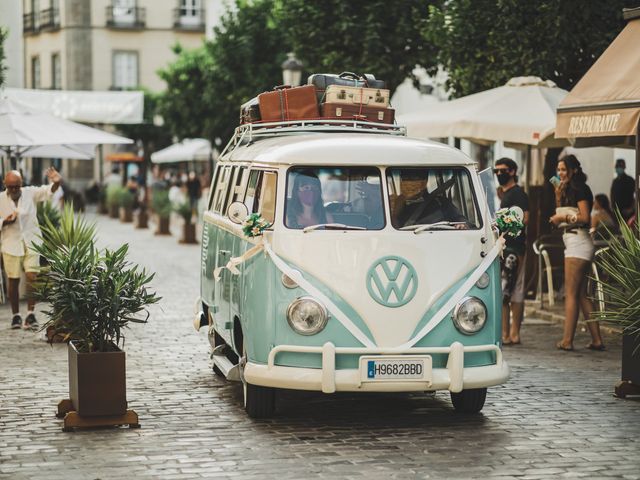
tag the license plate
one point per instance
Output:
(381, 368)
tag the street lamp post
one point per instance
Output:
(291, 70)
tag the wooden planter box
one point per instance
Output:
(188, 233)
(97, 382)
(126, 214)
(102, 207)
(163, 226)
(113, 211)
(630, 362)
(142, 219)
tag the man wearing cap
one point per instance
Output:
(512, 195)
(20, 229)
(622, 191)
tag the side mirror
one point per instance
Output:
(237, 212)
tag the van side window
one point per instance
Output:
(261, 194)
(267, 203)
(240, 184)
(249, 199)
(221, 189)
(212, 192)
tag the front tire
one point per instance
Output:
(470, 400)
(259, 402)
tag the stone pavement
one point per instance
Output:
(556, 418)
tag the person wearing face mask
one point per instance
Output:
(305, 207)
(512, 195)
(622, 191)
(20, 230)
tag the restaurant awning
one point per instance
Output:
(604, 106)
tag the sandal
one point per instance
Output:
(506, 342)
(597, 348)
(560, 346)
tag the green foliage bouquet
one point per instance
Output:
(254, 225)
(509, 221)
(621, 283)
(92, 294)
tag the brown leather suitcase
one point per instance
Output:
(358, 112)
(289, 103)
(250, 111)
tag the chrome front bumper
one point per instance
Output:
(455, 377)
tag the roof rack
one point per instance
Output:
(249, 132)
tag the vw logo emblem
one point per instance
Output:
(392, 281)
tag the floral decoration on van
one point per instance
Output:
(254, 225)
(509, 221)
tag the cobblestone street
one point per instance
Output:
(556, 417)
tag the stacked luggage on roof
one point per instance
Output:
(326, 96)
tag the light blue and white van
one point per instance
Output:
(379, 272)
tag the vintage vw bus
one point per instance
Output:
(378, 272)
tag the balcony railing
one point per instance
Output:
(126, 17)
(191, 19)
(49, 19)
(29, 23)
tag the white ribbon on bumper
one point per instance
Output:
(304, 284)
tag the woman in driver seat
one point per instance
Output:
(305, 208)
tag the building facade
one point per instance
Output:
(105, 44)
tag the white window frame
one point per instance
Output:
(117, 84)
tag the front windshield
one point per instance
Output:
(341, 197)
(431, 198)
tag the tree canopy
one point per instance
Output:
(483, 43)
(3, 67)
(378, 36)
(205, 87)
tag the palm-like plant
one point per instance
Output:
(92, 294)
(160, 203)
(621, 288)
(184, 210)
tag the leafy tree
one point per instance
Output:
(3, 68)
(483, 43)
(205, 87)
(378, 36)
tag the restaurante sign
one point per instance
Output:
(589, 124)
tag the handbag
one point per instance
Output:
(564, 211)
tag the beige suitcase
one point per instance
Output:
(371, 97)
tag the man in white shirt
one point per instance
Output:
(20, 229)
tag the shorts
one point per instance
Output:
(12, 264)
(578, 245)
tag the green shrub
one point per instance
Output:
(92, 294)
(114, 193)
(621, 284)
(160, 203)
(126, 198)
(184, 210)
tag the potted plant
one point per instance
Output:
(93, 295)
(126, 200)
(188, 228)
(162, 207)
(141, 217)
(620, 263)
(113, 200)
(103, 208)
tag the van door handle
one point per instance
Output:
(224, 253)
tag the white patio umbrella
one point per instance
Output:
(72, 152)
(188, 150)
(521, 112)
(22, 128)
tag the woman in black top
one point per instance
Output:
(573, 191)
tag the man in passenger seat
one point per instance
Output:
(426, 208)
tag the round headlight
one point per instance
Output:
(307, 316)
(483, 281)
(470, 315)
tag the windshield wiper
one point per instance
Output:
(444, 225)
(331, 226)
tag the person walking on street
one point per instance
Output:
(20, 229)
(622, 191)
(574, 202)
(512, 195)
